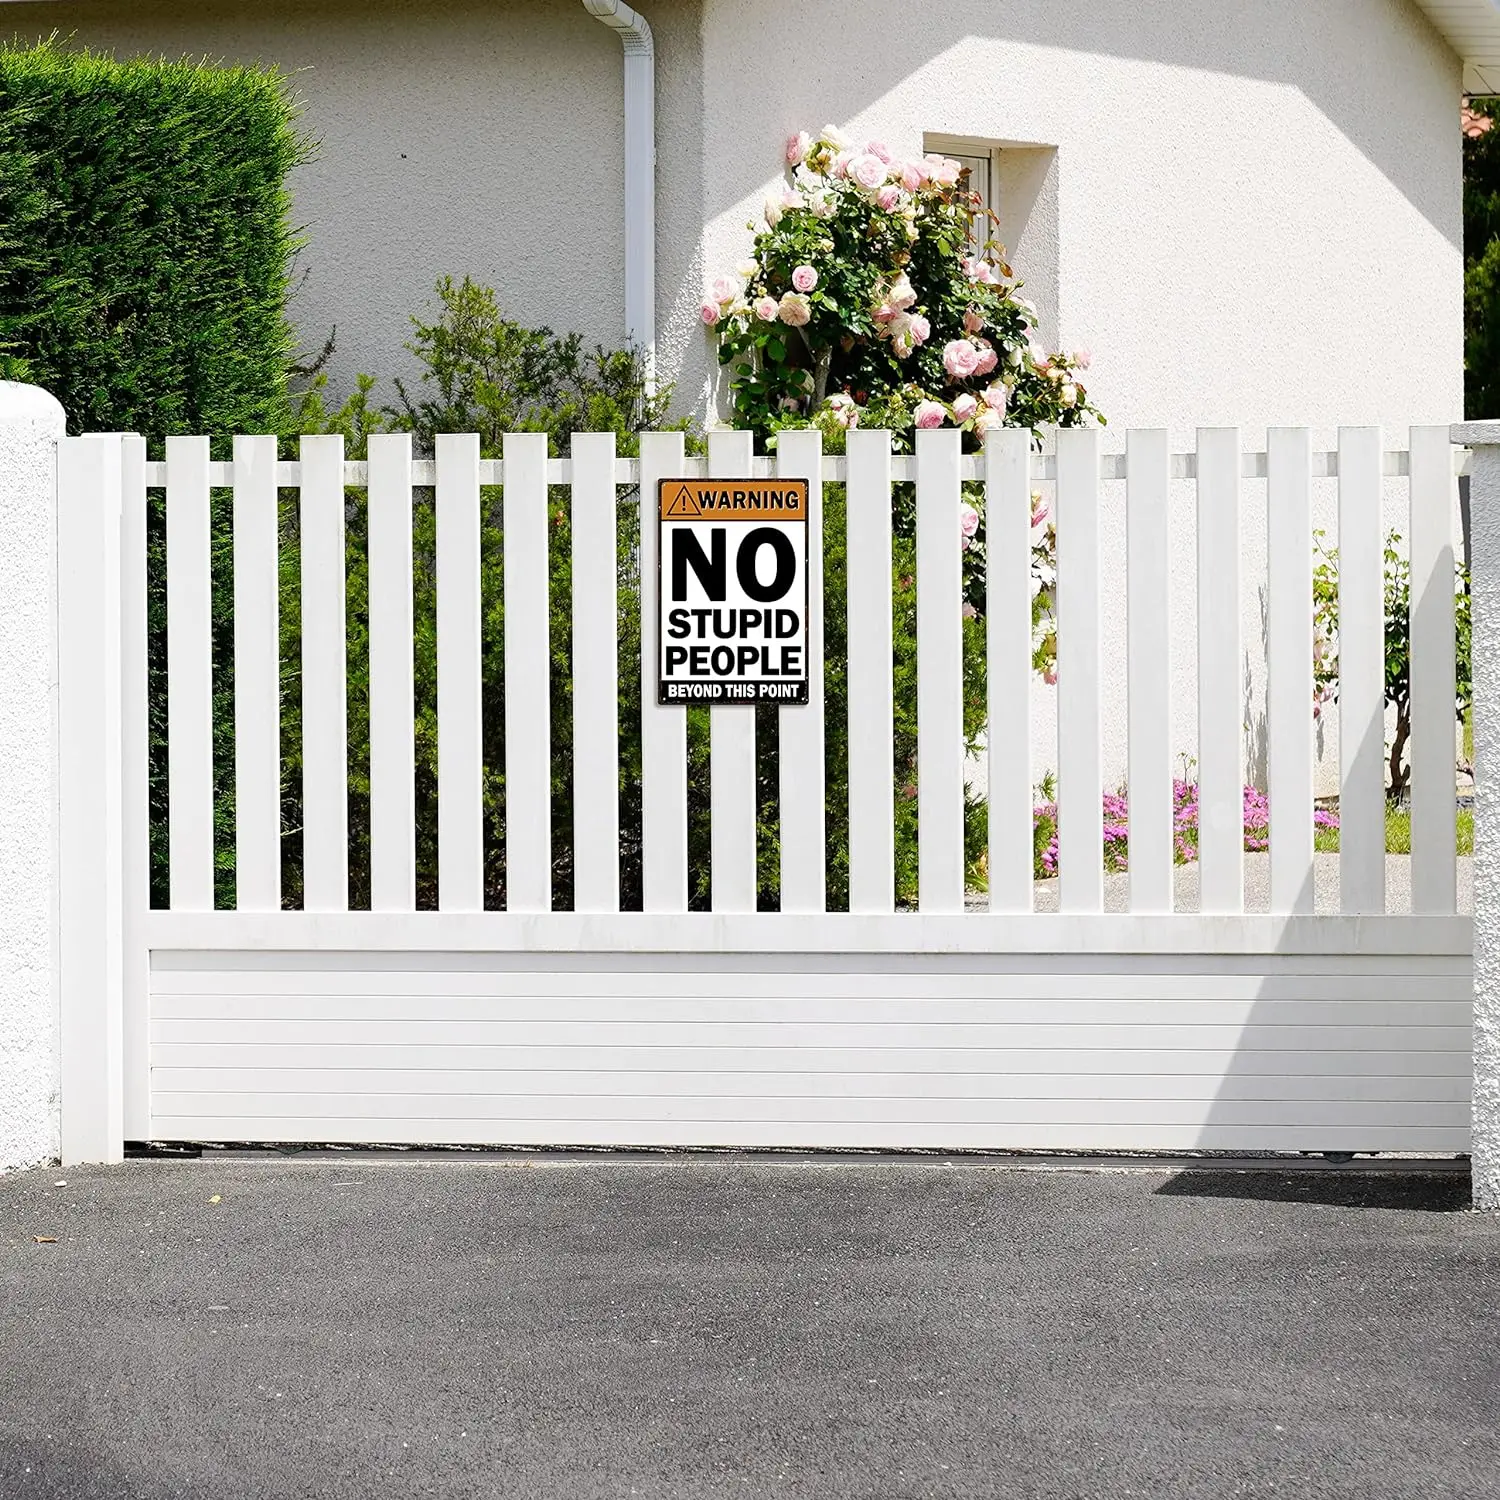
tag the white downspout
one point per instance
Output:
(640, 173)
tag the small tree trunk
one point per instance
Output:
(1400, 774)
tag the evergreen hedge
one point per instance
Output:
(145, 245)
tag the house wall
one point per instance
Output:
(1253, 214)
(456, 137)
(1258, 221)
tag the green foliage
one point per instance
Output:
(1482, 267)
(1397, 645)
(145, 248)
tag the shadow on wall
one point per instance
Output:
(1283, 42)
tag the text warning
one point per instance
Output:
(733, 591)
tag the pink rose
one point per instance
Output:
(960, 358)
(912, 177)
(921, 329)
(804, 278)
(795, 309)
(840, 166)
(902, 293)
(868, 171)
(1049, 676)
(1083, 358)
(996, 396)
(946, 172)
(886, 312)
(726, 289)
(988, 420)
(889, 196)
(968, 520)
(903, 340)
(930, 414)
(710, 313)
(791, 198)
(988, 359)
(965, 407)
(772, 209)
(767, 309)
(1039, 516)
(880, 149)
(973, 320)
(1069, 395)
(796, 148)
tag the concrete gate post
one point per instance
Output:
(31, 421)
(1484, 587)
(60, 750)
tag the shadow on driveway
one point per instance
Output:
(1351, 1187)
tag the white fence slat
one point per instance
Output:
(1433, 689)
(1221, 739)
(872, 841)
(663, 726)
(325, 692)
(1080, 827)
(190, 763)
(596, 689)
(732, 742)
(459, 676)
(1289, 666)
(393, 834)
(1148, 668)
(1361, 672)
(257, 677)
(940, 751)
(800, 727)
(528, 669)
(1007, 499)
(135, 792)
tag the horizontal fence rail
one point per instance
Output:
(390, 580)
(1395, 464)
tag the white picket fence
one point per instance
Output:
(800, 1027)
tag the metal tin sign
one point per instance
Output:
(732, 586)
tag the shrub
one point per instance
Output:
(145, 248)
(482, 372)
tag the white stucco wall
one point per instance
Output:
(1258, 219)
(30, 424)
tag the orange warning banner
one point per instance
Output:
(733, 499)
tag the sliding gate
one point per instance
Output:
(385, 775)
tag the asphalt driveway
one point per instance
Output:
(240, 1330)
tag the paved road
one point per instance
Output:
(717, 1328)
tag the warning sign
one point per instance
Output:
(732, 587)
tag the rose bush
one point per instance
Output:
(865, 302)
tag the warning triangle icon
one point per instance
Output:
(681, 503)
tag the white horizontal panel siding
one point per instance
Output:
(1282, 1058)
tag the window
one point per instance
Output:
(978, 176)
(1017, 182)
